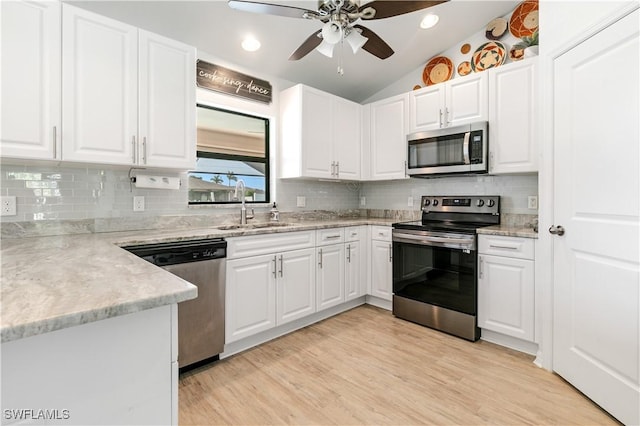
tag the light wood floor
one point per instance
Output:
(367, 367)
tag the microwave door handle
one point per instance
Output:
(465, 148)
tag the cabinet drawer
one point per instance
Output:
(256, 245)
(353, 233)
(521, 248)
(381, 233)
(329, 236)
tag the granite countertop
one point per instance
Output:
(54, 282)
(509, 231)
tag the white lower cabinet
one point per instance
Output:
(381, 262)
(354, 268)
(506, 298)
(270, 281)
(330, 276)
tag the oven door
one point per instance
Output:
(435, 274)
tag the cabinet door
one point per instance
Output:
(353, 271)
(99, 88)
(330, 276)
(426, 108)
(250, 297)
(346, 138)
(506, 296)
(389, 138)
(513, 118)
(467, 100)
(381, 279)
(167, 102)
(296, 296)
(316, 131)
(30, 79)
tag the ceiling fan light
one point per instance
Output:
(429, 20)
(325, 48)
(332, 32)
(356, 40)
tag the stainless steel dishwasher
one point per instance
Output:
(200, 320)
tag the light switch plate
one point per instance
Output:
(301, 201)
(363, 201)
(532, 202)
(410, 201)
(8, 206)
(138, 203)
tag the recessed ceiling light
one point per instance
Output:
(429, 21)
(250, 44)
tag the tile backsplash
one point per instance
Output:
(50, 193)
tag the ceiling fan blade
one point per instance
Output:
(389, 8)
(305, 48)
(271, 9)
(375, 45)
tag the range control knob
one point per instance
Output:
(491, 203)
(427, 202)
(435, 203)
(480, 203)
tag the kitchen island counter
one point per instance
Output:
(54, 282)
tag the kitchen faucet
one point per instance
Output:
(243, 209)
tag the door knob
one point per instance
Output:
(556, 230)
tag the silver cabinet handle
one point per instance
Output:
(144, 150)
(133, 149)
(349, 253)
(440, 112)
(390, 253)
(446, 116)
(556, 230)
(331, 237)
(320, 258)
(503, 247)
(337, 169)
(275, 267)
(481, 266)
(281, 266)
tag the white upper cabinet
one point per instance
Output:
(167, 119)
(30, 87)
(388, 138)
(452, 103)
(128, 96)
(320, 135)
(513, 118)
(99, 88)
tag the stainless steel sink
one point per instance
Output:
(254, 226)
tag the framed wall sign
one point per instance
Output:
(220, 79)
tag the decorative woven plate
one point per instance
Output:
(524, 20)
(496, 29)
(488, 55)
(437, 70)
(464, 68)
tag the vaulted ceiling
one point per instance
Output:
(213, 27)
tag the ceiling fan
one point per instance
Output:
(338, 18)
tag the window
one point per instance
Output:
(231, 147)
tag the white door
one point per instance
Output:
(353, 271)
(296, 297)
(167, 102)
(597, 201)
(381, 260)
(250, 297)
(99, 88)
(467, 100)
(346, 138)
(317, 124)
(330, 276)
(389, 138)
(30, 79)
(426, 108)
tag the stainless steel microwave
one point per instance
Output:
(460, 149)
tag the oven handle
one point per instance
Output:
(430, 239)
(465, 148)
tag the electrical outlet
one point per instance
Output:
(410, 201)
(8, 206)
(363, 201)
(138, 203)
(301, 201)
(532, 202)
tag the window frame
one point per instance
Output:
(243, 158)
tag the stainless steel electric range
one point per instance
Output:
(435, 263)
